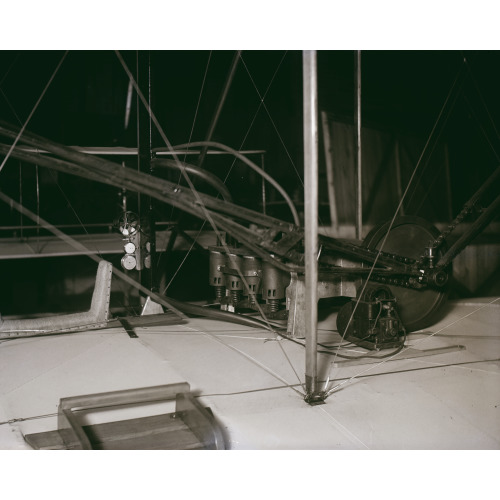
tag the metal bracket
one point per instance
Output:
(190, 427)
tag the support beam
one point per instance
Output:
(310, 103)
(359, 185)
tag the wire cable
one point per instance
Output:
(272, 121)
(191, 186)
(253, 166)
(256, 112)
(32, 111)
(338, 386)
(410, 181)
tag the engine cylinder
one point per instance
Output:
(216, 276)
(251, 271)
(274, 283)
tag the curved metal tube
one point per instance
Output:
(251, 164)
(208, 177)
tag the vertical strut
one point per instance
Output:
(310, 103)
(220, 105)
(359, 192)
(144, 146)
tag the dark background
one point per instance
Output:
(402, 92)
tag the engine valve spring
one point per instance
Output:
(219, 292)
(274, 304)
(235, 297)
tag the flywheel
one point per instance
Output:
(408, 237)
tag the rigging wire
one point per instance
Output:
(338, 386)
(256, 111)
(450, 101)
(253, 360)
(478, 122)
(255, 167)
(9, 68)
(410, 181)
(481, 97)
(188, 180)
(24, 419)
(184, 159)
(193, 243)
(11, 106)
(95, 247)
(76, 244)
(194, 121)
(32, 112)
(482, 128)
(3, 93)
(37, 209)
(21, 196)
(241, 146)
(199, 100)
(194, 118)
(180, 175)
(272, 121)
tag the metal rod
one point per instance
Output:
(148, 277)
(84, 250)
(220, 104)
(359, 192)
(332, 202)
(264, 201)
(399, 184)
(448, 182)
(310, 104)
(122, 151)
(475, 228)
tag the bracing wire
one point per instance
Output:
(272, 121)
(410, 181)
(338, 386)
(199, 99)
(450, 101)
(241, 145)
(70, 205)
(195, 113)
(32, 112)
(255, 167)
(256, 111)
(37, 207)
(11, 107)
(82, 248)
(255, 361)
(9, 68)
(186, 177)
(483, 130)
(481, 97)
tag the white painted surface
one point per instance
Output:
(253, 384)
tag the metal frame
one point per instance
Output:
(197, 418)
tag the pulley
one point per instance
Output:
(409, 237)
(372, 320)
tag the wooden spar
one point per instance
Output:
(310, 104)
(359, 192)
